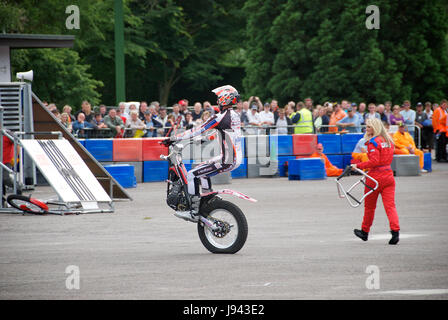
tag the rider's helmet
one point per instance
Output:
(227, 96)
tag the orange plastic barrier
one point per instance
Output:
(127, 149)
(304, 144)
(151, 149)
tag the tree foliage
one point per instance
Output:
(273, 49)
(324, 50)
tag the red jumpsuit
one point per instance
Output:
(380, 157)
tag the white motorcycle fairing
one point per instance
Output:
(232, 193)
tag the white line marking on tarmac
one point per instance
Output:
(267, 284)
(415, 292)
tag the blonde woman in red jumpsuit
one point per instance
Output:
(380, 149)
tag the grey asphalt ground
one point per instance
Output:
(300, 246)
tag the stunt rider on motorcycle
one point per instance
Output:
(228, 126)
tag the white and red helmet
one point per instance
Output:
(227, 96)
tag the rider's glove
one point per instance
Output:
(166, 142)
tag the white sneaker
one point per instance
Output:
(424, 171)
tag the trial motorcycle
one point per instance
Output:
(222, 226)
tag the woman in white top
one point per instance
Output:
(135, 124)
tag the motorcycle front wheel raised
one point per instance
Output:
(232, 227)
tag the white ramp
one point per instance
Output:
(66, 172)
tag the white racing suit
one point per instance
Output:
(228, 126)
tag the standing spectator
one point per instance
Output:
(119, 114)
(68, 110)
(428, 110)
(149, 124)
(351, 122)
(344, 105)
(362, 111)
(396, 118)
(427, 127)
(98, 124)
(188, 123)
(197, 111)
(57, 114)
(183, 108)
(289, 109)
(243, 115)
(302, 119)
(336, 116)
(254, 119)
(205, 116)
(156, 104)
(274, 109)
(315, 112)
(135, 127)
(65, 121)
(208, 107)
(266, 116)
(255, 101)
(81, 127)
(299, 106)
(388, 109)
(408, 116)
(381, 111)
(372, 113)
(123, 112)
(420, 118)
(132, 107)
(439, 125)
(355, 110)
(283, 123)
(169, 125)
(322, 121)
(114, 123)
(86, 108)
(98, 121)
(309, 103)
(176, 113)
(51, 107)
(159, 121)
(103, 110)
(246, 107)
(143, 107)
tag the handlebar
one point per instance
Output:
(345, 173)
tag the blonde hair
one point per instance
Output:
(378, 130)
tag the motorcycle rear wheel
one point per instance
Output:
(228, 215)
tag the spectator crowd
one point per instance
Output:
(130, 120)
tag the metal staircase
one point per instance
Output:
(17, 114)
(11, 95)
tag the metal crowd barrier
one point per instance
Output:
(247, 130)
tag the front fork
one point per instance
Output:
(207, 223)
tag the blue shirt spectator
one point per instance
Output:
(351, 122)
(409, 117)
(79, 126)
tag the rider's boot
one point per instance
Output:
(193, 214)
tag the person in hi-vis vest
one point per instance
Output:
(303, 119)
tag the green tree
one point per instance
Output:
(59, 76)
(324, 50)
